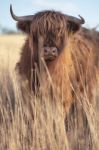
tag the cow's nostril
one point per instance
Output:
(54, 50)
(46, 50)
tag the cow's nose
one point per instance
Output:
(50, 50)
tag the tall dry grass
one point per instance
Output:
(29, 122)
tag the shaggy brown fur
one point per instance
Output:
(75, 67)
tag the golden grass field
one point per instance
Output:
(9, 49)
(27, 123)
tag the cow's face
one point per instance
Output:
(53, 32)
(53, 27)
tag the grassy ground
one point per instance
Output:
(27, 123)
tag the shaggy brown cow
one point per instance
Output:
(69, 51)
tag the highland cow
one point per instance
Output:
(69, 51)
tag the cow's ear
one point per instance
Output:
(24, 26)
(72, 27)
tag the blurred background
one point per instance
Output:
(89, 9)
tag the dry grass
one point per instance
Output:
(9, 49)
(33, 123)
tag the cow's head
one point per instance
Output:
(52, 27)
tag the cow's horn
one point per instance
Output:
(76, 20)
(21, 18)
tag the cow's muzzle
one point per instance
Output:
(50, 53)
